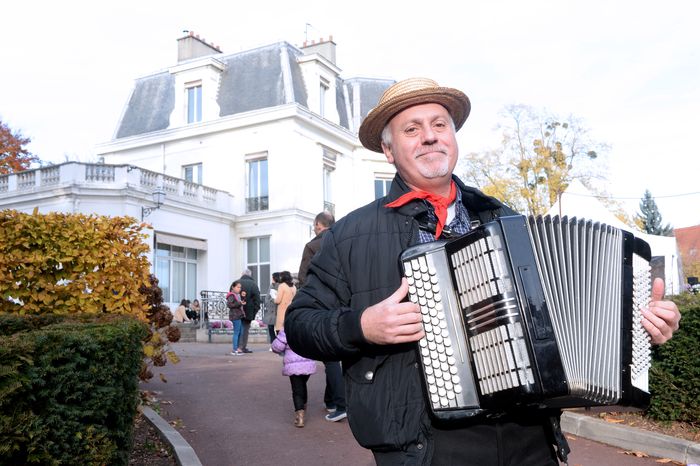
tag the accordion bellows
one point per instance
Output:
(532, 311)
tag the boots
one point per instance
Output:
(299, 418)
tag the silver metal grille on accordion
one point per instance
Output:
(532, 311)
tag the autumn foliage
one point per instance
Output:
(71, 263)
(14, 156)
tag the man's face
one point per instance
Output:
(423, 146)
(318, 228)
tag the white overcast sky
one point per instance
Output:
(629, 69)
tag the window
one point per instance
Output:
(176, 270)
(257, 195)
(381, 187)
(194, 103)
(258, 261)
(329, 158)
(192, 173)
(323, 88)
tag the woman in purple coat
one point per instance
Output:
(298, 369)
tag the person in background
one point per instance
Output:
(194, 311)
(270, 316)
(334, 395)
(252, 306)
(181, 312)
(236, 304)
(322, 222)
(298, 369)
(285, 294)
(353, 303)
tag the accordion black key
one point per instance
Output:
(529, 312)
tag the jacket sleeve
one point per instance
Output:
(320, 324)
(256, 298)
(279, 345)
(305, 262)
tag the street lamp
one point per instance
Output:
(158, 198)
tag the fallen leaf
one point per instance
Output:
(638, 454)
(162, 378)
(613, 421)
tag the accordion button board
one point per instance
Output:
(508, 308)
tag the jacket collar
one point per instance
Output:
(473, 199)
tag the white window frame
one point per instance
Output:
(193, 97)
(190, 273)
(324, 87)
(262, 269)
(386, 180)
(195, 170)
(257, 194)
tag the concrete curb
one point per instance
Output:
(184, 454)
(631, 438)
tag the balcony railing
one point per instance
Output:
(111, 177)
(255, 204)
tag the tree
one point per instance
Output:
(14, 156)
(541, 153)
(649, 218)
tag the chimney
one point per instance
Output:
(324, 48)
(191, 46)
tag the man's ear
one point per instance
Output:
(387, 153)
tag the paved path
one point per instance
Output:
(237, 410)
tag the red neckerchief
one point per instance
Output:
(439, 203)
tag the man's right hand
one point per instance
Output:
(392, 321)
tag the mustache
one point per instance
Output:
(431, 148)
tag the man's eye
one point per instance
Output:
(411, 130)
(440, 124)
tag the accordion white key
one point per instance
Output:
(526, 311)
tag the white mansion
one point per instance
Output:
(242, 151)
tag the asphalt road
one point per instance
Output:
(237, 410)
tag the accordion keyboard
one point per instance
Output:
(443, 355)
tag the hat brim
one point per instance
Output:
(455, 101)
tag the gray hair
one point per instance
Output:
(248, 272)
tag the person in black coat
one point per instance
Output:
(353, 304)
(252, 306)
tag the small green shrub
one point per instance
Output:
(675, 373)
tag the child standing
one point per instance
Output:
(298, 369)
(235, 304)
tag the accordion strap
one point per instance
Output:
(560, 442)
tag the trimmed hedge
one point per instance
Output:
(675, 372)
(68, 391)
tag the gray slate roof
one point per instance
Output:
(251, 80)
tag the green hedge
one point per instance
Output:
(68, 391)
(675, 372)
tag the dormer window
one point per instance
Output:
(194, 102)
(325, 85)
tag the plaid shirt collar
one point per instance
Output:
(458, 226)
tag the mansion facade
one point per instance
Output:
(229, 157)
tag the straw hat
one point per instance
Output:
(407, 93)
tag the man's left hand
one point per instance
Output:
(661, 319)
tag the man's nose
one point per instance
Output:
(429, 136)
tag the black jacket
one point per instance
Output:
(358, 266)
(252, 296)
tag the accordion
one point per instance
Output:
(537, 312)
